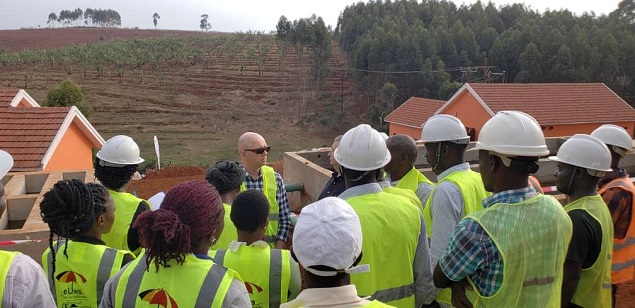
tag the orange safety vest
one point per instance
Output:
(623, 267)
(533, 182)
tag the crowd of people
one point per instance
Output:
(380, 234)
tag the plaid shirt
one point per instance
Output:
(619, 203)
(284, 223)
(471, 252)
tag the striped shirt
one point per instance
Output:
(26, 285)
(471, 252)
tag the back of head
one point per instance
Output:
(189, 212)
(250, 210)
(402, 144)
(362, 148)
(444, 128)
(226, 176)
(117, 161)
(615, 137)
(327, 239)
(586, 152)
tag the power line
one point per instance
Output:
(406, 72)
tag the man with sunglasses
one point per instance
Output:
(253, 150)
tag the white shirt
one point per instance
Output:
(338, 297)
(26, 285)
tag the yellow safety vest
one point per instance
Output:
(126, 205)
(594, 287)
(196, 283)
(79, 279)
(623, 268)
(229, 231)
(412, 179)
(532, 238)
(377, 304)
(270, 188)
(6, 258)
(390, 227)
(405, 193)
(266, 272)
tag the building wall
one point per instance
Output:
(572, 129)
(396, 129)
(23, 104)
(74, 152)
(469, 110)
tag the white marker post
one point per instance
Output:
(156, 149)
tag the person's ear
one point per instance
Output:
(265, 224)
(494, 162)
(101, 219)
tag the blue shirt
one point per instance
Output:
(471, 252)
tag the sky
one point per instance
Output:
(230, 15)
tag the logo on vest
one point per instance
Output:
(253, 288)
(71, 295)
(158, 297)
(72, 278)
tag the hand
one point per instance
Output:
(281, 245)
(459, 299)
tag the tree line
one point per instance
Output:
(430, 48)
(89, 17)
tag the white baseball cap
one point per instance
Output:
(328, 233)
(6, 163)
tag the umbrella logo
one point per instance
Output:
(72, 277)
(251, 286)
(159, 297)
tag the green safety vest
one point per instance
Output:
(195, 283)
(6, 258)
(78, 278)
(266, 272)
(390, 226)
(532, 238)
(412, 179)
(594, 287)
(270, 188)
(229, 231)
(405, 193)
(126, 206)
(377, 304)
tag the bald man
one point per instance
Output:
(253, 150)
(401, 168)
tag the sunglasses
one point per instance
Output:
(259, 150)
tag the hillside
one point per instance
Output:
(196, 91)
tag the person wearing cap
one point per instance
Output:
(618, 193)
(511, 253)
(336, 185)
(581, 161)
(22, 281)
(395, 244)
(271, 276)
(226, 176)
(115, 165)
(459, 190)
(253, 151)
(401, 168)
(327, 242)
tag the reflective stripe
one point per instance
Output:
(49, 275)
(616, 267)
(538, 281)
(219, 257)
(134, 283)
(394, 294)
(210, 286)
(271, 238)
(628, 242)
(607, 286)
(105, 268)
(273, 217)
(275, 277)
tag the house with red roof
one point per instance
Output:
(408, 118)
(45, 138)
(562, 109)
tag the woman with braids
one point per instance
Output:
(79, 264)
(174, 266)
(115, 165)
(226, 176)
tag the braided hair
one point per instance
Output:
(189, 212)
(113, 177)
(226, 176)
(70, 209)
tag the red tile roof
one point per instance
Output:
(27, 133)
(557, 103)
(414, 112)
(6, 96)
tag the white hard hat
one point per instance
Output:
(444, 127)
(362, 149)
(328, 233)
(613, 135)
(512, 133)
(585, 151)
(120, 151)
(6, 163)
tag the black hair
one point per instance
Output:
(225, 176)
(70, 209)
(113, 177)
(250, 210)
